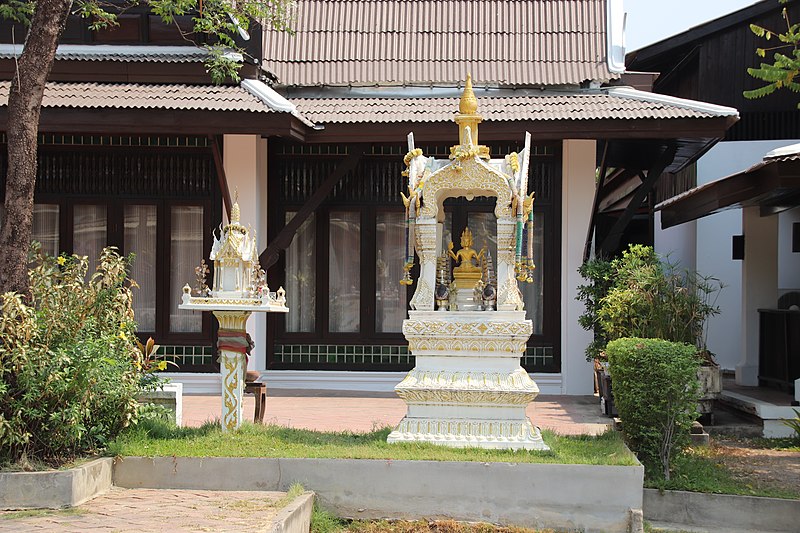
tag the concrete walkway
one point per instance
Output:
(134, 510)
(362, 412)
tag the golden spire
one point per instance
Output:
(468, 119)
(235, 209)
(468, 104)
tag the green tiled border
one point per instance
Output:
(348, 354)
(538, 357)
(187, 355)
(342, 354)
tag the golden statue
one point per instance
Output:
(468, 271)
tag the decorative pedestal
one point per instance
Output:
(232, 317)
(468, 388)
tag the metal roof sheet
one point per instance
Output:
(596, 105)
(108, 52)
(422, 42)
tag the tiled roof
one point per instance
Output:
(132, 95)
(597, 105)
(422, 42)
(105, 52)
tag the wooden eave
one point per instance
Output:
(773, 186)
(689, 128)
(116, 121)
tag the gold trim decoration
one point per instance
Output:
(474, 178)
(456, 432)
(231, 417)
(426, 344)
(442, 328)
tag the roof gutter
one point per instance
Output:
(272, 99)
(615, 33)
(703, 107)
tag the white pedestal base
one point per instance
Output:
(468, 389)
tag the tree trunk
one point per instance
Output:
(24, 107)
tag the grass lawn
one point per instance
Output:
(702, 470)
(151, 438)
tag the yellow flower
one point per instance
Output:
(61, 260)
(122, 336)
(162, 365)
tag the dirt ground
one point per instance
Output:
(757, 465)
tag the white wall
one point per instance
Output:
(244, 160)
(579, 165)
(712, 238)
(788, 262)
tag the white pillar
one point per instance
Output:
(759, 285)
(245, 162)
(577, 197)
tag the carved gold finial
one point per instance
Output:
(468, 119)
(468, 104)
(235, 214)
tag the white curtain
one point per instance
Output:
(186, 251)
(390, 296)
(344, 281)
(140, 239)
(301, 279)
(45, 227)
(89, 232)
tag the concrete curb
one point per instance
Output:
(721, 511)
(587, 497)
(55, 489)
(296, 516)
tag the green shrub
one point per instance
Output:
(653, 299)
(598, 274)
(68, 376)
(655, 391)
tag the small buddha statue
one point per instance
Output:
(468, 259)
(468, 270)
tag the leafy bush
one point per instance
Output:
(599, 276)
(650, 298)
(68, 379)
(655, 391)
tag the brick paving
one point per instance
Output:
(360, 412)
(129, 510)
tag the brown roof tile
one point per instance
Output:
(143, 96)
(420, 42)
(568, 106)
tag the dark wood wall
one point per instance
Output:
(713, 68)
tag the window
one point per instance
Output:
(186, 251)
(141, 224)
(344, 272)
(390, 297)
(45, 227)
(301, 278)
(343, 266)
(165, 254)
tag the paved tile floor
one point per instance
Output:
(359, 412)
(129, 510)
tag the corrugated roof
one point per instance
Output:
(566, 106)
(421, 42)
(107, 52)
(152, 96)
